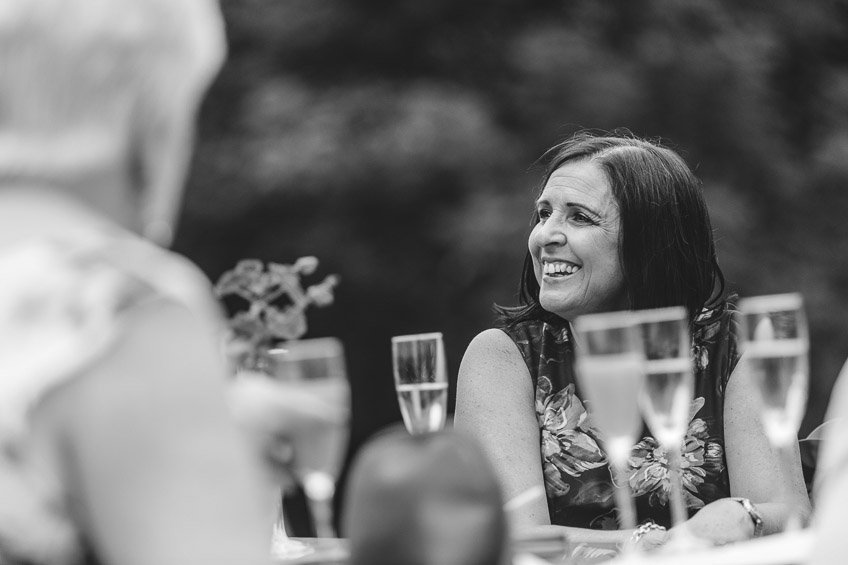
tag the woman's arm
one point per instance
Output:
(158, 471)
(495, 403)
(754, 471)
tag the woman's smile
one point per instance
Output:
(558, 269)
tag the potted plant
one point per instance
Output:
(275, 312)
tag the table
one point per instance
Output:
(334, 551)
(791, 548)
(327, 551)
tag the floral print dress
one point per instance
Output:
(577, 475)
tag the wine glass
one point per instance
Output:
(314, 372)
(263, 408)
(610, 364)
(282, 546)
(667, 395)
(775, 344)
(421, 381)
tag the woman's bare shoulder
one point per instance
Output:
(492, 359)
(492, 341)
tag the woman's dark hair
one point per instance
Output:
(666, 242)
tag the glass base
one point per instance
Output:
(283, 547)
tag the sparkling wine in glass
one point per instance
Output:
(669, 387)
(421, 381)
(775, 345)
(314, 372)
(610, 364)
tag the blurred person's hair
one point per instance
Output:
(666, 245)
(429, 499)
(91, 84)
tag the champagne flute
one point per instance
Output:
(282, 546)
(610, 363)
(775, 344)
(421, 381)
(314, 371)
(668, 391)
(265, 409)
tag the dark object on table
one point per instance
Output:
(429, 499)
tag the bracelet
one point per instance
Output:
(752, 511)
(643, 529)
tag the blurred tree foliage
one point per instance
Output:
(394, 141)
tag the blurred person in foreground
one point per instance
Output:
(620, 223)
(830, 491)
(428, 499)
(116, 442)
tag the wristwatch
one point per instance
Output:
(752, 511)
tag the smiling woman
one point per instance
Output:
(620, 223)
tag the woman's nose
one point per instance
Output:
(551, 233)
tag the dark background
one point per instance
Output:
(394, 141)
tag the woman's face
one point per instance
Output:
(575, 244)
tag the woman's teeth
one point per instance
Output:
(559, 269)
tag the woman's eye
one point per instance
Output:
(544, 214)
(581, 218)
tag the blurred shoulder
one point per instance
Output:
(173, 328)
(71, 299)
(167, 276)
(162, 367)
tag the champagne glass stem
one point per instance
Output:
(624, 501)
(683, 539)
(679, 514)
(322, 510)
(320, 488)
(787, 462)
(282, 547)
(619, 453)
(625, 505)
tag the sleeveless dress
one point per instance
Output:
(577, 475)
(63, 303)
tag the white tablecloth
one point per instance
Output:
(791, 548)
